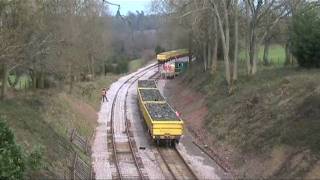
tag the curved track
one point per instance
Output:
(124, 154)
(128, 164)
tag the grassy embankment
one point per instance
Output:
(42, 118)
(270, 124)
(136, 64)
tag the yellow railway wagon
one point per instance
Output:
(169, 55)
(161, 119)
(146, 84)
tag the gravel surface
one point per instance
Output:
(101, 157)
(147, 84)
(161, 112)
(151, 95)
(153, 167)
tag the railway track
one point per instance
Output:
(175, 164)
(127, 163)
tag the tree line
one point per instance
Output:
(59, 42)
(220, 29)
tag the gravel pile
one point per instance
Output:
(161, 112)
(147, 84)
(151, 95)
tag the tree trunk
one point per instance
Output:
(253, 51)
(236, 45)
(209, 57)
(247, 39)
(224, 34)
(92, 66)
(105, 69)
(288, 58)
(41, 79)
(266, 60)
(70, 79)
(190, 48)
(204, 57)
(4, 80)
(214, 63)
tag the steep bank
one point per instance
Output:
(43, 119)
(268, 128)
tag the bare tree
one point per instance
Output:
(259, 11)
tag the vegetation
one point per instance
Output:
(305, 36)
(276, 55)
(135, 64)
(227, 30)
(59, 43)
(267, 129)
(55, 57)
(262, 118)
(11, 158)
(89, 92)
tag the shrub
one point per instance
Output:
(159, 49)
(11, 157)
(305, 36)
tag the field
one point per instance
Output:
(276, 55)
(22, 83)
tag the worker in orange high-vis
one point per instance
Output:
(104, 95)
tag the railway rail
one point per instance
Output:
(123, 152)
(175, 163)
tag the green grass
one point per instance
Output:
(276, 54)
(135, 64)
(23, 81)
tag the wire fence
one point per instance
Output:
(79, 168)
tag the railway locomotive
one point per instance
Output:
(162, 122)
(172, 63)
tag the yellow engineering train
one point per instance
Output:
(172, 63)
(162, 121)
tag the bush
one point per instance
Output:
(305, 36)
(117, 64)
(11, 157)
(159, 49)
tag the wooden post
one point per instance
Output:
(72, 134)
(4, 81)
(73, 176)
(86, 150)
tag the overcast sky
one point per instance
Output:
(130, 5)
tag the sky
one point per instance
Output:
(129, 5)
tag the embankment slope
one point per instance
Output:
(270, 126)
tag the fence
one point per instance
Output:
(81, 142)
(79, 169)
